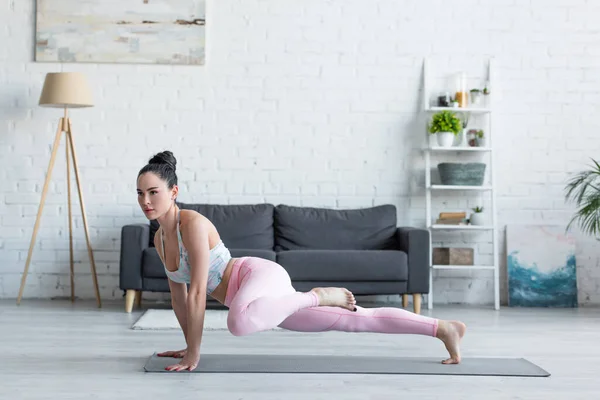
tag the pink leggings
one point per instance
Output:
(260, 296)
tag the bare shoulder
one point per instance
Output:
(195, 220)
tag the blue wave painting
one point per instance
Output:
(541, 267)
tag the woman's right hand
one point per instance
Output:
(174, 354)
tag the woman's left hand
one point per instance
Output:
(188, 363)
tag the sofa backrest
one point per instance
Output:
(264, 226)
(241, 226)
(298, 228)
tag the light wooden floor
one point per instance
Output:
(56, 350)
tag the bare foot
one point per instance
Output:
(451, 333)
(335, 297)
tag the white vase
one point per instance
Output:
(460, 140)
(481, 142)
(445, 139)
(478, 219)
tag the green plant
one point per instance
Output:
(478, 209)
(486, 91)
(479, 133)
(584, 190)
(475, 90)
(445, 121)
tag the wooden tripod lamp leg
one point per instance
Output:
(83, 214)
(41, 207)
(68, 149)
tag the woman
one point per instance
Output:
(258, 292)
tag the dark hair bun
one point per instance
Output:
(164, 157)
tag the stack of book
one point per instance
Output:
(452, 218)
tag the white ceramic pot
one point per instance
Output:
(478, 219)
(481, 142)
(475, 98)
(445, 139)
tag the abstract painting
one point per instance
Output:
(541, 266)
(121, 31)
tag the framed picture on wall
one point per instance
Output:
(121, 31)
(541, 266)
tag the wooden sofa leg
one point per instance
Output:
(417, 303)
(404, 300)
(129, 300)
(138, 298)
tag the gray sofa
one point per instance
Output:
(360, 249)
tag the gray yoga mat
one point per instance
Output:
(326, 364)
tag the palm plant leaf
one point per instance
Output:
(584, 190)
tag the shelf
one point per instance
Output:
(459, 187)
(431, 150)
(459, 148)
(443, 227)
(490, 267)
(474, 110)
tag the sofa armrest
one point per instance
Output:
(134, 239)
(415, 242)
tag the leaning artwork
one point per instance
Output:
(541, 266)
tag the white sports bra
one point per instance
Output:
(219, 258)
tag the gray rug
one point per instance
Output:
(328, 364)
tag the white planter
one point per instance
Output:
(445, 139)
(481, 142)
(478, 219)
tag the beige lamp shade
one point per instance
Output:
(66, 89)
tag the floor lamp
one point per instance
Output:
(64, 90)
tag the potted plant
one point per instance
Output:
(481, 142)
(446, 125)
(475, 96)
(584, 190)
(486, 89)
(477, 217)
(472, 135)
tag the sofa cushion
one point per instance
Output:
(300, 228)
(152, 266)
(348, 265)
(242, 226)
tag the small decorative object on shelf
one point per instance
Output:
(446, 125)
(475, 138)
(452, 218)
(486, 89)
(477, 217)
(461, 96)
(475, 97)
(472, 137)
(481, 142)
(444, 100)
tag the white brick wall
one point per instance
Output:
(305, 102)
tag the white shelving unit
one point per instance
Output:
(487, 189)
